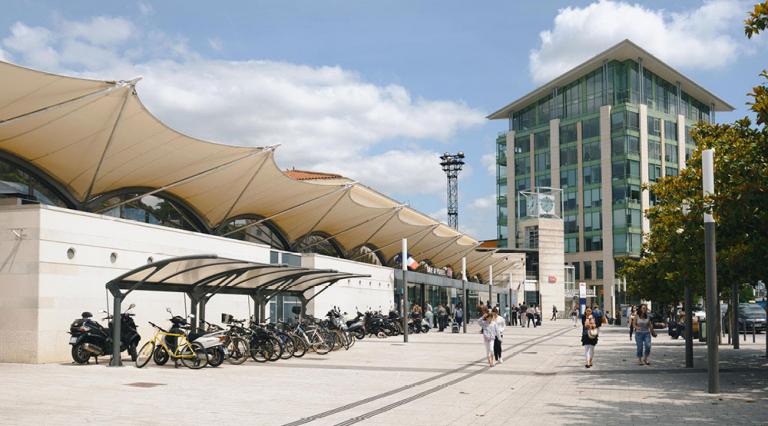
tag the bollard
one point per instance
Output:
(744, 327)
(753, 332)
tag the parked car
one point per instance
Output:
(749, 315)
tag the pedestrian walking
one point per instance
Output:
(429, 316)
(643, 332)
(488, 330)
(442, 315)
(459, 315)
(554, 313)
(530, 315)
(499, 336)
(632, 315)
(523, 314)
(574, 315)
(589, 334)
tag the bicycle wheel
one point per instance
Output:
(237, 351)
(319, 344)
(299, 346)
(288, 347)
(277, 348)
(261, 351)
(194, 356)
(350, 339)
(145, 354)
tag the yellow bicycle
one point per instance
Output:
(191, 354)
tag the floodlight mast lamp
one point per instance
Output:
(452, 164)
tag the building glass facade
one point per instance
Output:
(638, 142)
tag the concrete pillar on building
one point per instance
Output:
(606, 209)
(681, 141)
(580, 186)
(644, 197)
(663, 155)
(533, 162)
(554, 158)
(511, 191)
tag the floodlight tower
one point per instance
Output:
(452, 164)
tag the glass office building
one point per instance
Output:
(598, 133)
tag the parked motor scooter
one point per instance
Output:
(91, 339)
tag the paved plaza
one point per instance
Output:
(435, 379)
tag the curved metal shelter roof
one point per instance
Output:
(208, 274)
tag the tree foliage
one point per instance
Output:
(673, 255)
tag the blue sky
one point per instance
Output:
(371, 89)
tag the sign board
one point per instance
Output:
(582, 297)
(529, 285)
(552, 279)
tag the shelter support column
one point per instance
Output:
(193, 302)
(116, 312)
(404, 261)
(464, 292)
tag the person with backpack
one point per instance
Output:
(598, 315)
(499, 336)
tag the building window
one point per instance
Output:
(541, 140)
(571, 201)
(590, 128)
(571, 244)
(592, 198)
(592, 221)
(654, 172)
(670, 130)
(532, 236)
(670, 153)
(654, 150)
(654, 126)
(626, 218)
(522, 164)
(568, 156)
(593, 243)
(587, 270)
(542, 162)
(570, 225)
(522, 144)
(621, 145)
(522, 184)
(544, 180)
(568, 178)
(22, 184)
(599, 269)
(590, 151)
(567, 134)
(576, 270)
(591, 174)
(670, 171)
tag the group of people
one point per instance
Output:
(524, 315)
(441, 317)
(639, 323)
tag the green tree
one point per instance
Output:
(673, 254)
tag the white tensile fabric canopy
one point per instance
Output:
(94, 137)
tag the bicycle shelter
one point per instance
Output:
(203, 276)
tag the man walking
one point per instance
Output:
(441, 315)
(598, 315)
(554, 313)
(523, 314)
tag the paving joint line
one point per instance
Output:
(355, 404)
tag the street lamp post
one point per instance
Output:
(688, 308)
(452, 164)
(710, 270)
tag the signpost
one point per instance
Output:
(582, 297)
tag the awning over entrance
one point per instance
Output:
(203, 276)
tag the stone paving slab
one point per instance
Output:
(435, 379)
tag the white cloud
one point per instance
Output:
(702, 37)
(216, 44)
(440, 215)
(325, 118)
(483, 203)
(489, 162)
(145, 8)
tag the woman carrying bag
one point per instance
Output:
(643, 332)
(589, 336)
